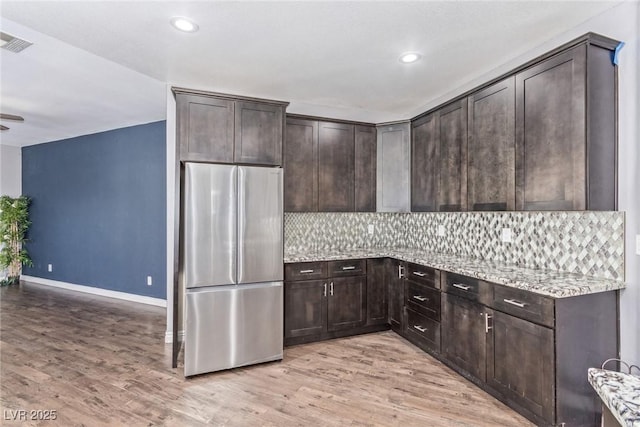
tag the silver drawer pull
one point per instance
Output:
(420, 298)
(306, 271)
(514, 302)
(419, 274)
(420, 328)
(463, 287)
(351, 267)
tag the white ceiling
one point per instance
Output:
(102, 65)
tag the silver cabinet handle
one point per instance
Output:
(325, 289)
(420, 328)
(419, 273)
(400, 272)
(331, 289)
(487, 317)
(514, 302)
(351, 267)
(306, 271)
(459, 286)
(420, 298)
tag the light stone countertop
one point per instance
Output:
(620, 392)
(550, 283)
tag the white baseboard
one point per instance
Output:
(168, 337)
(96, 291)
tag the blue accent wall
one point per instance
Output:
(98, 209)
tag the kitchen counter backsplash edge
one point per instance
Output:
(549, 283)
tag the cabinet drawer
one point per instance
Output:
(424, 300)
(423, 275)
(305, 271)
(523, 304)
(349, 267)
(466, 287)
(427, 331)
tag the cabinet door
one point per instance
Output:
(425, 174)
(550, 134)
(346, 303)
(335, 167)
(464, 334)
(205, 128)
(365, 169)
(491, 150)
(304, 308)
(301, 166)
(520, 364)
(393, 160)
(376, 292)
(395, 289)
(452, 189)
(258, 133)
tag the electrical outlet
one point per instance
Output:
(370, 229)
(50, 268)
(149, 281)
(506, 235)
(441, 230)
(637, 244)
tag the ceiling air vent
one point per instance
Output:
(12, 43)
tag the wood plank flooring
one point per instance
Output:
(99, 361)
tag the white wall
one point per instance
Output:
(10, 171)
(171, 188)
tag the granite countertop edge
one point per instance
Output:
(554, 284)
(620, 392)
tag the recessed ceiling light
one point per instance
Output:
(409, 57)
(184, 24)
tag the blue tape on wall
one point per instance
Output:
(616, 52)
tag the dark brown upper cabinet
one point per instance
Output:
(425, 165)
(205, 128)
(258, 133)
(491, 148)
(452, 186)
(329, 166)
(365, 168)
(566, 131)
(301, 166)
(336, 152)
(226, 129)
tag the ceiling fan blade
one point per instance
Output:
(11, 117)
(3, 127)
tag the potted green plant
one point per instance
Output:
(14, 223)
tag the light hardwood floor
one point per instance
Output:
(99, 361)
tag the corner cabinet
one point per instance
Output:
(393, 167)
(566, 131)
(222, 128)
(328, 166)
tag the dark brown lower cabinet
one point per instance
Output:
(304, 308)
(395, 286)
(336, 303)
(377, 307)
(346, 303)
(520, 363)
(464, 335)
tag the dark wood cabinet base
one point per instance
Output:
(335, 334)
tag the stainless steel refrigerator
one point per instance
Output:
(232, 266)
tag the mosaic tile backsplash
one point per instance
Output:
(589, 243)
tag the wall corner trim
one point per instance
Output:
(96, 291)
(168, 337)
